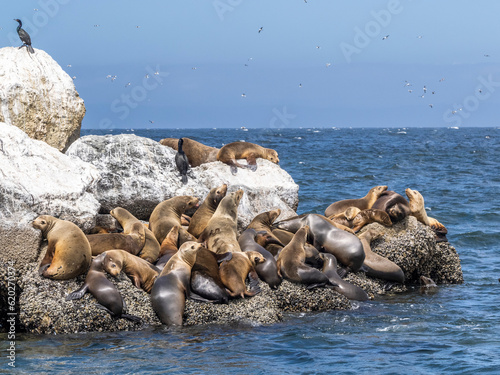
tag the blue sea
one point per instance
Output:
(453, 331)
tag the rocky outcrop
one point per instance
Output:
(43, 308)
(38, 179)
(138, 173)
(37, 96)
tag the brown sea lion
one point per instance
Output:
(168, 247)
(234, 272)
(417, 209)
(369, 216)
(68, 253)
(363, 203)
(204, 213)
(104, 291)
(427, 285)
(168, 214)
(102, 242)
(394, 204)
(267, 270)
(185, 236)
(326, 237)
(292, 266)
(168, 295)
(205, 277)
(264, 222)
(245, 150)
(221, 231)
(376, 265)
(151, 249)
(196, 152)
(142, 273)
(343, 287)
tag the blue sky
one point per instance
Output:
(314, 64)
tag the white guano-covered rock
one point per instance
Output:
(138, 173)
(39, 97)
(37, 179)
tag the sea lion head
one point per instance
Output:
(351, 213)
(237, 195)
(188, 251)
(120, 213)
(255, 257)
(44, 223)
(112, 264)
(219, 193)
(272, 156)
(377, 190)
(416, 200)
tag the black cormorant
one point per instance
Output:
(182, 162)
(24, 36)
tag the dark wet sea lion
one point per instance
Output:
(346, 247)
(205, 277)
(142, 273)
(349, 290)
(103, 290)
(221, 231)
(168, 295)
(362, 203)
(376, 265)
(229, 154)
(196, 152)
(267, 270)
(394, 204)
(68, 253)
(204, 213)
(167, 214)
(292, 266)
(234, 272)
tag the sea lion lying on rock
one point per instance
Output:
(229, 154)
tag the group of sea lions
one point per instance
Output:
(204, 257)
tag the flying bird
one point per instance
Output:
(24, 36)
(260, 29)
(182, 162)
(385, 37)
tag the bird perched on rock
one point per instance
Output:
(182, 161)
(24, 36)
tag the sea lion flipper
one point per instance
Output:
(42, 269)
(253, 279)
(132, 318)
(197, 297)
(222, 257)
(136, 281)
(77, 294)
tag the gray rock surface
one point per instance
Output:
(138, 173)
(39, 97)
(37, 179)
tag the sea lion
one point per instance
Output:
(221, 231)
(267, 270)
(205, 277)
(142, 273)
(196, 152)
(234, 272)
(102, 242)
(376, 265)
(363, 203)
(427, 285)
(346, 247)
(185, 236)
(168, 295)
(417, 209)
(68, 253)
(149, 249)
(168, 214)
(292, 266)
(229, 153)
(369, 216)
(104, 291)
(206, 210)
(168, 247)
(345, 218)
(264, 222)
(394, 204)
(182, 162)
(349, 290)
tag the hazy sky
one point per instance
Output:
(315, 63)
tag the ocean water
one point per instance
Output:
(454, 330)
